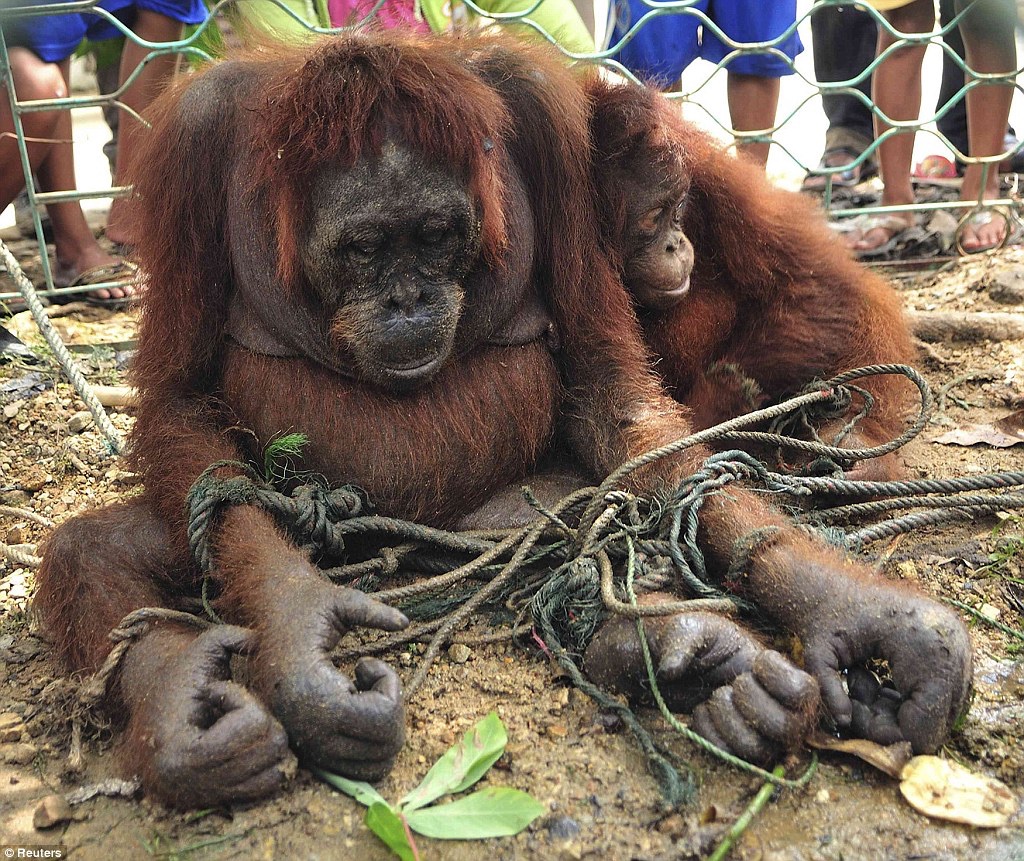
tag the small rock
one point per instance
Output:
(823, 796)
(15, 535)
(80, 421)
(908, 570)
(52, 810)
(1008, 287)
(34, 479)
(459, 653)
(557, 730)
(989, 612)
(405, 659)
(11, 727)
(16, 498)
(562, 828)
(18, 754)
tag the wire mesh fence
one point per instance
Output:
(229, 23)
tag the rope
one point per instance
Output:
(584, 559)
(21, 554)
(67, 362)
(128, 630)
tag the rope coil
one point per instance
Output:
(584, 558)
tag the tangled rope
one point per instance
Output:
(585, 558)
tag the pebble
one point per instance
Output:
(80, 421)
(52, 810)
(459, 653)
(34, 479)
(1008, 287)
(989, 612)
(18, 754)
(562, 828)
(11, 727)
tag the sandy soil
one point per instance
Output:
(602, 802)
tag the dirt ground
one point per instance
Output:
(601, 800)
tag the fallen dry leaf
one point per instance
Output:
(889, 760)
(994, 435)
(945, 790)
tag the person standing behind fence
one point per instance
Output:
(45, 43)
(987, 27)
(664, 45)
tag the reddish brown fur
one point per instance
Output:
(271, 122)
(432, 453)
(772, 291)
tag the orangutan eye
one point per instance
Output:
(649, 223)
(360, 252)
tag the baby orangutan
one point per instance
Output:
(744, 295)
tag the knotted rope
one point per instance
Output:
(584, 559)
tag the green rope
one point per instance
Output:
(567, 569)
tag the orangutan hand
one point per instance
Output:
(749, 700)
(209, 740)
(353, 727)
(927, 650)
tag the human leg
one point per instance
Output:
(154, 76)
(897, 94)
(77, 250)
(953, 123)
(753, 101)
(989, 48)
(844, 39)
(753, 79)
(33, 79)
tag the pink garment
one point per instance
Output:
(394, 13)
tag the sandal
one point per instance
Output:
(899, 233)
(118, 272)
(981, 218)
(845, 178)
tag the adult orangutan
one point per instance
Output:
(744, 294)
(388, 243)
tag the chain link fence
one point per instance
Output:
(234, 22)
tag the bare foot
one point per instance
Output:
(878, 232)
(92, 266)
(983, 231)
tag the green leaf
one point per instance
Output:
(360, 791)
(497, 811)
(277, 456)
(462, 765)
(386, 824)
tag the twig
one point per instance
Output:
(1006, 629)
(741, 824)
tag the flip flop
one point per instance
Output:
(979, 218)
(120, 271)
(900, 234)
(848, 178)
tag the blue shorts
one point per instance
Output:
(55, 37)
(667, 44)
